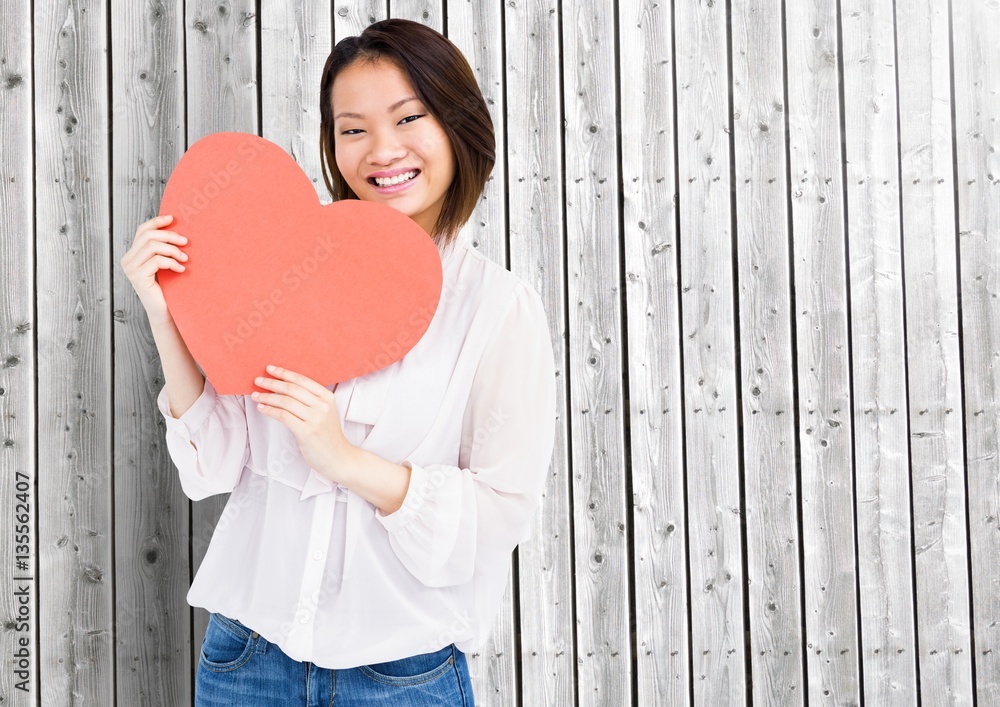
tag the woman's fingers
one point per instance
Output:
(146, 229)
(299, 380)
(153, 223)
(292, 391)
(282, 402)
(147, 234)
(155, 256)
(160, 248)
(153, 243)
(162, 262)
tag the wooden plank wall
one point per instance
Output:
(767, 235)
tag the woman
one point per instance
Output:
(365, 545)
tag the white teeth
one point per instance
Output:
(399, 178)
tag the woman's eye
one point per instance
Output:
(405, 120)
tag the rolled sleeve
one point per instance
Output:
(209, 443)
(454, 518)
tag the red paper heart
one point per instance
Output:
(333, 292)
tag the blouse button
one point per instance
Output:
(303, 618)
(317, 555)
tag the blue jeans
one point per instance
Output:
(238, 666)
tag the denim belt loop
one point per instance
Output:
(262, 643)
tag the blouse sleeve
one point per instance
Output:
(208, 443)
(455, 518)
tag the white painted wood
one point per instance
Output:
(350, 17)
(823, 354)
(19, 553)
(74, 386)
(769, 454)
(715, 545)
(934, 384)
(600, 516)
(295, 41)
(649, 183)
(477, 31)
(881, 452)
(535, 208)
(151, 519)
(427, 12)
(222, 95)
(975, 27)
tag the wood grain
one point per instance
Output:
(934, 384)
(534, 193)
(822, 345)
(976, 81)
(881, 451)
(646, 75)
(20, 553)
(708, 338)
(596, 410)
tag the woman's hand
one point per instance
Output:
(310, 411)
(153, 250)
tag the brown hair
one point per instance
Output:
(445, 83)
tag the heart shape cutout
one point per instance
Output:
(331, 291)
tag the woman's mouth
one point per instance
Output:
(391, 185)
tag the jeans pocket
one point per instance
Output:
(413, 670)
(228, 644)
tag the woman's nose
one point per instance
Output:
(385, 149)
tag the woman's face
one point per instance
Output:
(381, 129)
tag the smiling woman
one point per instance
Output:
(365, 546)
(397, 154)
(428, 119)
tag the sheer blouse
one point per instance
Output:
(324, 574)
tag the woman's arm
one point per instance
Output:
(206, 432)
(454, 518)
(184, 382)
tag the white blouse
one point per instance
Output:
(321, 572)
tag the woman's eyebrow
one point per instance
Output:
(394, 106)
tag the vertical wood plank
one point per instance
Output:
(477, 31)
(295, 41)
(535, 198)
(222, 94)
(604, 653)
(976, 25)
(824, 383)
(427, 12)
(715, 545)
(646, 69)
(934, 381)
(768, 409)
(152, 514)
(885, 566)
(74, 359)
(352, 16)
(19, 556)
